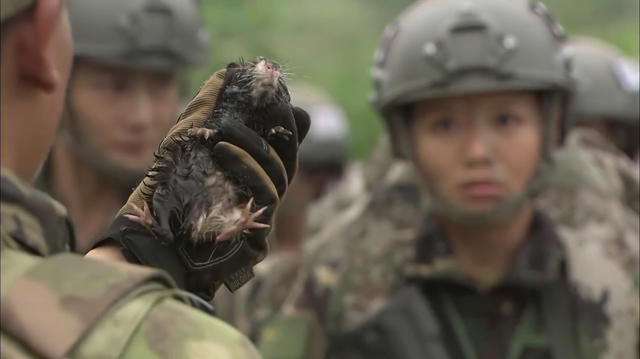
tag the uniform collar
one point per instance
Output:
(32, 218)
(539, 260)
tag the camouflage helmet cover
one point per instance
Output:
(606, 83)
(442, 48)
(152, 34)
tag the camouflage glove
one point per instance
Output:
(265, 169)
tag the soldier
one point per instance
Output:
(473, 93)
(604, 141)
(57, 304)
(122, 99)
(322, 160)
(607, 94)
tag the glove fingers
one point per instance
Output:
(240, 165)
(297, 120)
(241, 136)
(285, 147)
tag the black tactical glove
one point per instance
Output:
(263, 168)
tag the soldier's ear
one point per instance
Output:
(34, 33)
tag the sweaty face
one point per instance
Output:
(476, 150)
(122, 113)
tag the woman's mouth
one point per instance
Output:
(482, 190)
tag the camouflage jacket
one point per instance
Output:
(249, 307)
(56, 304)
(594, 162)
(360, 264)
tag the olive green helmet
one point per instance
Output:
(149, 34)
(440, 48)
(326, 147)
(606, 83)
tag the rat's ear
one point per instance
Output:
(233, 68)
(34, 32)
(236, 64)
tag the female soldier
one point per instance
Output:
(473, 94)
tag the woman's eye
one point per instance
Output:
(443, 124)
(507, 120)
(119, 85)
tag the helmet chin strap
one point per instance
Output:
(120, 175)
(550, 104)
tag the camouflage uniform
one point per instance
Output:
(595, 162)
(121, 311)
(248, 308)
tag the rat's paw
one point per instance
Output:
(246, 221)
(280, 132)
(203, 133)
(141, 216)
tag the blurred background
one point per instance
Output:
(330, 43)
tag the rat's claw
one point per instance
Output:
(245, 222)
(279, 131)
(141, 216)
(202, 132)
(247, 209)
(249, 219)
(252, 224)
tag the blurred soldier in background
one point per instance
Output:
(123, 96)
(606, 98)
(601, 147)
(322, 161)
(474, 94)
(595, 186)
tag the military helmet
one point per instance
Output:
(326, 146)
(150, 34)
(606, 83)
(440, 48)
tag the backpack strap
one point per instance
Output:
(51, 307)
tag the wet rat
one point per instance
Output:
(193, 199)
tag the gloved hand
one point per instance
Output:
(264, 168)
